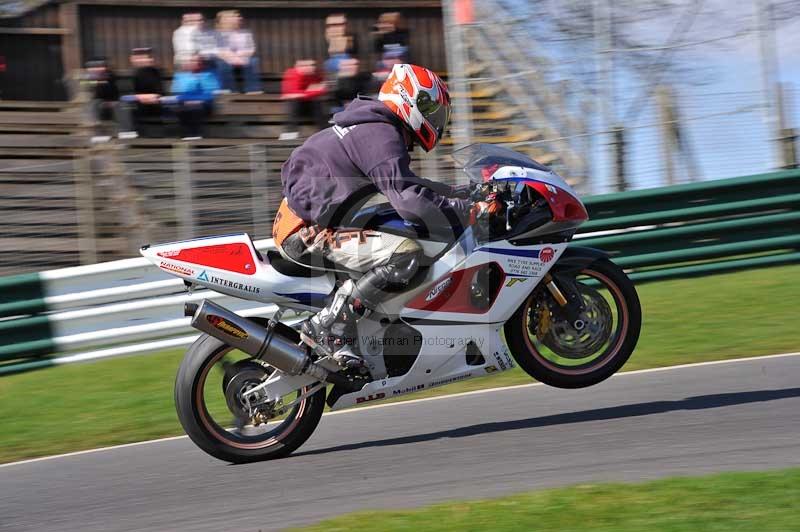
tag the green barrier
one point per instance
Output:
(21, 294)
(26, 337)
(789, 201)
(708, 252)
(28, 349)
(715, 267)
(661, 233)
(22, 367)
(664, 228)
(707, 192)
(695, 235)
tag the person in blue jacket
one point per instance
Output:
(193, 88)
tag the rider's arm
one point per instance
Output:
(415, 198)
(442, 189)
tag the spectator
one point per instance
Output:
(147, 93)
(192, 38)
(341, 44)
(194, 87)
(384, 67)
(390, 35)
(2, 72)
(103, 86)
(304, 90)
(350, 83)
(236, 52)
(205, 42)
(183, 43)
(340, 49)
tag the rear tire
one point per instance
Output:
(621, 342)
(221, 443)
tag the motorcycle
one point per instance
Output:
(508, 290)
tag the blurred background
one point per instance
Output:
(126, 122)
(99, 152)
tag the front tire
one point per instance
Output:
(553, 352)
(193, 402)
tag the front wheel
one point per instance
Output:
(576, 353)
(221, 419)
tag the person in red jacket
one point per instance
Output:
(304, 90)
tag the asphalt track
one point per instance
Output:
(742, 415)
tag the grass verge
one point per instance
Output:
(760, 502)
(83, 406)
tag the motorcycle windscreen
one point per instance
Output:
(476, 159)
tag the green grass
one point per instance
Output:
(130, 399)
(760, 502)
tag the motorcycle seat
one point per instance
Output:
(291, 268)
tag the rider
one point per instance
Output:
(336, 170)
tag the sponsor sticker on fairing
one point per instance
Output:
(175, 268)
(500, 361)
(546, 254)
(442, 382)
(227, 283)
(438, 289)
(410, 389)
(372, 397)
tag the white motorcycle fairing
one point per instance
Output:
(455, 340)
(231, 265)
(505, 289)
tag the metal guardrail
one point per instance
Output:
(663, 233)
(699, 228)
(101, 307)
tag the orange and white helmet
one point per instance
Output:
(420, 98)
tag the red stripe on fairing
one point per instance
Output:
(564, 206)
(455, 297)
(234, 257)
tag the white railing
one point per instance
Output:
(106, 310)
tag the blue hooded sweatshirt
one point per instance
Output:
(364, 153)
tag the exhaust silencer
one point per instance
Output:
(278, 344)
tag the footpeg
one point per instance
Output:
(346, 358)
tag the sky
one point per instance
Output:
(726, 144)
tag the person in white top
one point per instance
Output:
(183, 45)
(192, 38)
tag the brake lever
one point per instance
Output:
(509, 214)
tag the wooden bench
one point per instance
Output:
(137, 188)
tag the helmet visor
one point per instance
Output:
(437, 114)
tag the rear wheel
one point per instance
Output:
(231, 425)
(584, 351)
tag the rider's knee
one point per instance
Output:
(396, 274)
(404, 266)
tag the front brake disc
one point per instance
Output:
(569, 341)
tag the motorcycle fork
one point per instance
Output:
(566, 295)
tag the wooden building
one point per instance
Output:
(41, 41)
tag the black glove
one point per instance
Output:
(462, 191)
